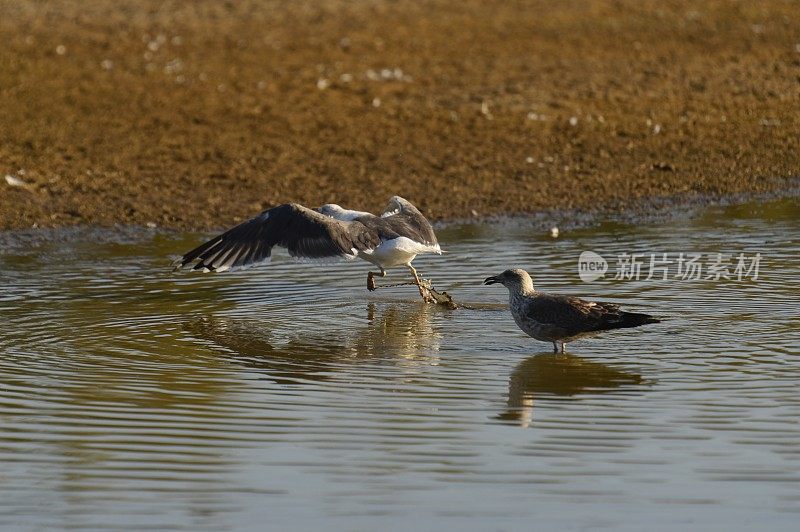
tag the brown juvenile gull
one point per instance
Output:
(392, 239)
(561, 319)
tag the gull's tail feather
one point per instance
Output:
(634, 319)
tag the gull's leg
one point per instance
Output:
(422, 291)
(371, 279)
(562, 347)
(555, 347)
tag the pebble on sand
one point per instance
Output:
(14, 181)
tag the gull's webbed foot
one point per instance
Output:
(371, 286)
(426, 297)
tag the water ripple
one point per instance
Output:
(132, 395)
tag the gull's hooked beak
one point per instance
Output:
(491, 280)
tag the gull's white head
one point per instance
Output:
(515, 280)
(340, 213)
(331, 209)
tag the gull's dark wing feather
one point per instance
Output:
(575, 316)
(302, 231)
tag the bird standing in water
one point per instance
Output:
(561, 319)
(392, 239)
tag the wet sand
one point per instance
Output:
(197, 115)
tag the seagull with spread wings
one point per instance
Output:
(392, 239)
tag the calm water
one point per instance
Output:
(289, 397)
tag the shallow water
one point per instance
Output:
(289, 397)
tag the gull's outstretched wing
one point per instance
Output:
(404, 219)
(303, 232)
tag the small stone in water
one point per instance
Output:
(376, 102)
(61, 49)
(323, 84)
(554, 232)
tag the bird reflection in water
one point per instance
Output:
(558, 375)
(399, 334)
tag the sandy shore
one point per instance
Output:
(199, 114)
